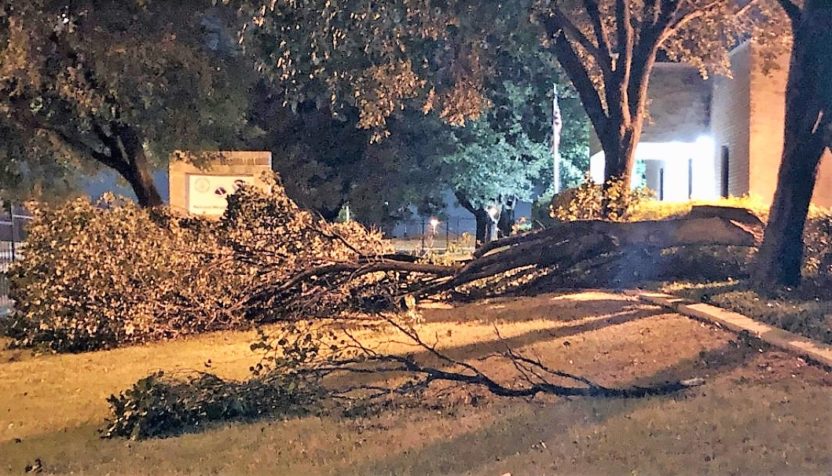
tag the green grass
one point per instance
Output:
(806, 310)
(760, 412)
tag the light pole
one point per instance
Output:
(434, 223)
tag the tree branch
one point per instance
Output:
(624, 26)
(594, 12)
(32, 121)
(672, 27)
(580, 76)
(602, 58)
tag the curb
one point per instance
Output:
(802, 346)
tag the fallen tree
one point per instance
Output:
(379, 282)
(325, 282)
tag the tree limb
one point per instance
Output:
(594, 12)
(603, 59)
(675, 25)
(580, 76)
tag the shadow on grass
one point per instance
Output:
(548, 308)
(512, 435)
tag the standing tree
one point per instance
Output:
(504, 157)
(608, 49)
(808, 132)
(501, 158)
(118, 84)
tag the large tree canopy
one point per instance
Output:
(609, 47)
(445, 56)
(118, 84)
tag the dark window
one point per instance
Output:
(661, 184)
(726, 164)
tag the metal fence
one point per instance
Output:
(12, 233)
(8, 253)
(425, 235)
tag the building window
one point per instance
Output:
(725, 158)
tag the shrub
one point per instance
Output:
(818, 247)
(591, 201)
(100, 274)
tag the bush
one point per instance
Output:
(588, 201)
(818, 247)
(158, 405)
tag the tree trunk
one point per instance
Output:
(482, 225)
(619, 152)
(505, 225)
(137, 170)
(780, 259)
(486, 225)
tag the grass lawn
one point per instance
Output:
(806, 310)
(761, 411)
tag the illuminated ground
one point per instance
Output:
(760, 412)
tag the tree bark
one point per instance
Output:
(808, 111)
(137, 170)
(505, 225)
(619, 146)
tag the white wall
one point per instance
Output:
(673, 158)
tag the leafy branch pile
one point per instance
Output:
(95, 275)
(161, 405)
(324, 291)
(99, 275)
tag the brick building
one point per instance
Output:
(716, 137)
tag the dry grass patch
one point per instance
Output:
(760, 412)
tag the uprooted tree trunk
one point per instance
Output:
(556, 250)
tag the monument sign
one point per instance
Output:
(204, 189)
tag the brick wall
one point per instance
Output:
(768, 109)
(730, 122)
(679, 104)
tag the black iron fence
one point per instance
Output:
(12, 233)
(424, 235)
(8, 253)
